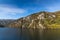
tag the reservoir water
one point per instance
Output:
(37, 34)
(29, 34)
(10, 34)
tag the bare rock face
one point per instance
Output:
(16, 24)
(37, 20)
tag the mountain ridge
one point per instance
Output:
(37, 20)
(40, 20)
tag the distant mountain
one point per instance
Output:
(4, 22)
(38, 20)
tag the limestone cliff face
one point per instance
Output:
(37, 20)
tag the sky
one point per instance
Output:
(14, 9)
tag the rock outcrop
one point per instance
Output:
(38, 20)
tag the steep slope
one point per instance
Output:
(38, 20)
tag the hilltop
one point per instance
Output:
(38, 20)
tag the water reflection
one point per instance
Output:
(37, 34)
(29, 34)
(51, 34)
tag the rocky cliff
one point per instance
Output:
(38, 20)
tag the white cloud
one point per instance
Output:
(6, 11)
(53, 8)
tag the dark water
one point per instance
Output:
(51, 34)
(37, 34)
(10, 34)
(28, 34)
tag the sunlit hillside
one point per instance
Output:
(40, 20)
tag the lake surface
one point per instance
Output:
(51, 34)
(10, 34)
(37, 34)
(29, 34)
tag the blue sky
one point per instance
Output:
(14, 9)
